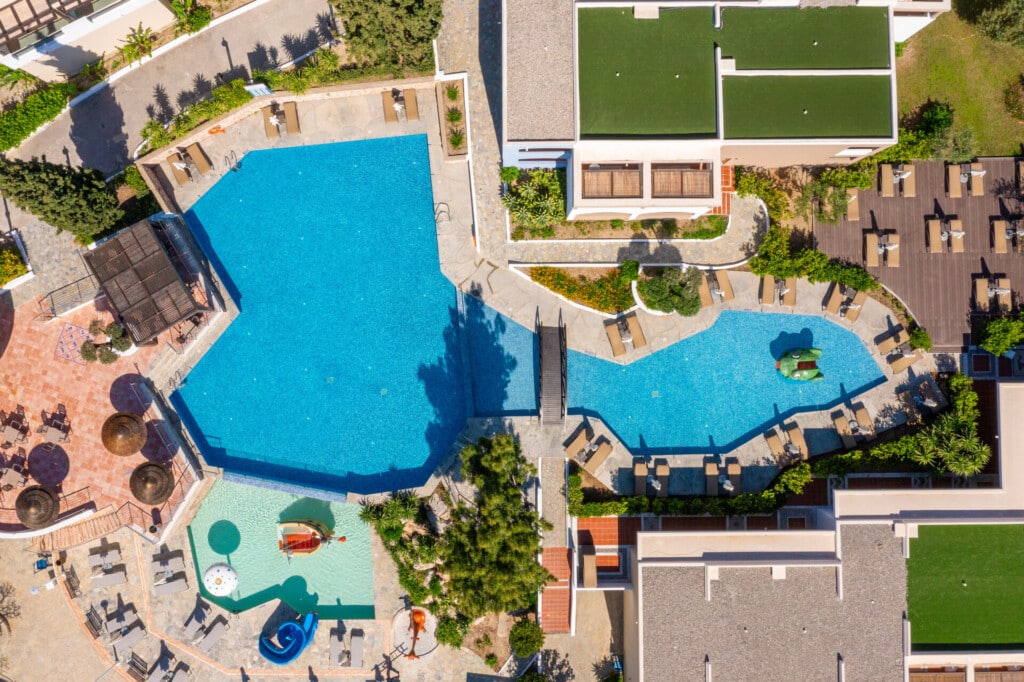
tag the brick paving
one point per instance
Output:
(608, 531)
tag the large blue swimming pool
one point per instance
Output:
(353, 364)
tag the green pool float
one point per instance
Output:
(800, 364)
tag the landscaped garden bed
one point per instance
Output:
(12, 264)
(607, 290)
(451, 108)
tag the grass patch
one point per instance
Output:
(646, 97)
(847, 37)
(942, 612)
(951, 61)
(836, 106)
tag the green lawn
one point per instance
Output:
(646, 77)
(837, 106)
(990, 609)
(846, 37)
(951, 61)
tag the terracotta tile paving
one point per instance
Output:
(608, 563)
(728, 189)
(556, 560)
(608, 531)
(555, 606)
(38, 371)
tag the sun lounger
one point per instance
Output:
(834, 299)
(866, 428)
(412, 109)
(199, 158)
(661, 473)
(789, 297)
(903, 362)
(871, 249)
(268, 124)
(1020, 178)
(180, 674)
(110, 578)
(705, 292)
(179, 169)
(1004, 301)
(212, 635)
(796, 437)
(125, 642)
(611, 328)
(843, 429)
(598, 458)
(639, 340)
(111, 556)
(167, 563)
(291, 117)
(639, 477)
(886, 185)
(589, 553)
(338, 654)
(856, 305)
(909, 407)
(390, 113)
(953, 185)
(767, 293)
(724, 285)
(935, 244)
(194, 623)
(892, 255)
(733, 471)
(929, 400)
(775, 445)
(356, 648)
(853, 204)
(999, 236)
(119, 621)
(893, 341)
(956, 241)
(583, 436)
(162, 668)
(981, 297)
(175, 584)
(909, 181)
(711, 479)
(977, 180)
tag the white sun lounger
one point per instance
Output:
(213, 635)
(110, 579)
(124, 644)
(175, 584)
(170, 563)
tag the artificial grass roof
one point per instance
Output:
(764, 107)
(987, 612)
(646, 77)
(806, 38)
(656, 77)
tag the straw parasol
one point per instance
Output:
(124, 433)
(37, 507)
(152, 483)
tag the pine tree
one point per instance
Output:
(398, 32)
(76, 200)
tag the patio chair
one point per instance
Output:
(885, 180)
(892, 341)
(611, 328)
(843, 429)
(271, 123)
(775, 445)
(892, 251)
(766, 294)
(724, 285)
(138, 667)
(929, 399)
(595, 461)
(853, 204)
(412, 108)
(390, 112)
(956, 235)
(865, 426)
(999, 244)
(291, 117)
(179, 169)
(639, 478)
(852, 311)
(796, 439)
(1004, 295)
(833, 299)
(733, 471)
(903, 362)
(789, 292)
(954, 188)
(705, 292)
(908, 181)
(977, 180)
(935, 242)
(909, 407)
(636, 331)
(662, 473)
(589, 555)
(583, 436)
(871, 249)
(94, 621)
(355, 644)
(199, 157)
(711, 478)
(212, 635)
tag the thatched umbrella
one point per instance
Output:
(124, 433)
(152, 483)
(37, 507)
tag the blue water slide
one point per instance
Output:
(292, 639)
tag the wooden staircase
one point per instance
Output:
(102, 523)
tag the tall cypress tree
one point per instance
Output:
(76, 200)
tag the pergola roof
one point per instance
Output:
(141, 282)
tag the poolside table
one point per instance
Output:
(53, 435)
(12, 434)
(13, 478)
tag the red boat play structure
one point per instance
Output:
(303, 537)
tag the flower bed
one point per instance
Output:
(12, 264)
(451, 108)
(608, 292)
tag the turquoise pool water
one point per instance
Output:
(237, 524)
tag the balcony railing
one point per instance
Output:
(682, 180)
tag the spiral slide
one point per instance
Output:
(292, 639)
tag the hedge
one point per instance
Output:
(42, 106)
(11, 265)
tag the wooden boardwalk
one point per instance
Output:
(937, 288)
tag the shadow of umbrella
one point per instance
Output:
(224, 538)
(125, 398)
(49, 466)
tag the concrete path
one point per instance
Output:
(103, 131)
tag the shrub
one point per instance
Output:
(451, 631)
(1004, 21)
(533, 676)
(452, 92)
(825, 195)
(191, 17)
(526, 638)
(491, 659)
(675, 290)
(88, 351)
(96, 327)
(454, 115)
(1000, 334)
(118, 340)
(510, 174)
(757, 182)
(618, 223)
(1013, 97)
(775, 257)
(133, 179)
(609, 293)
(456, 139)
(919, 337)
(40, 107)
(537, 203)
(708, 227)
(912, 144)
(901, 48)
(11, 265)
(484, 641)
(629, 271)
(106, 354)
(222, 100)
(935, 116)
(955, 143)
